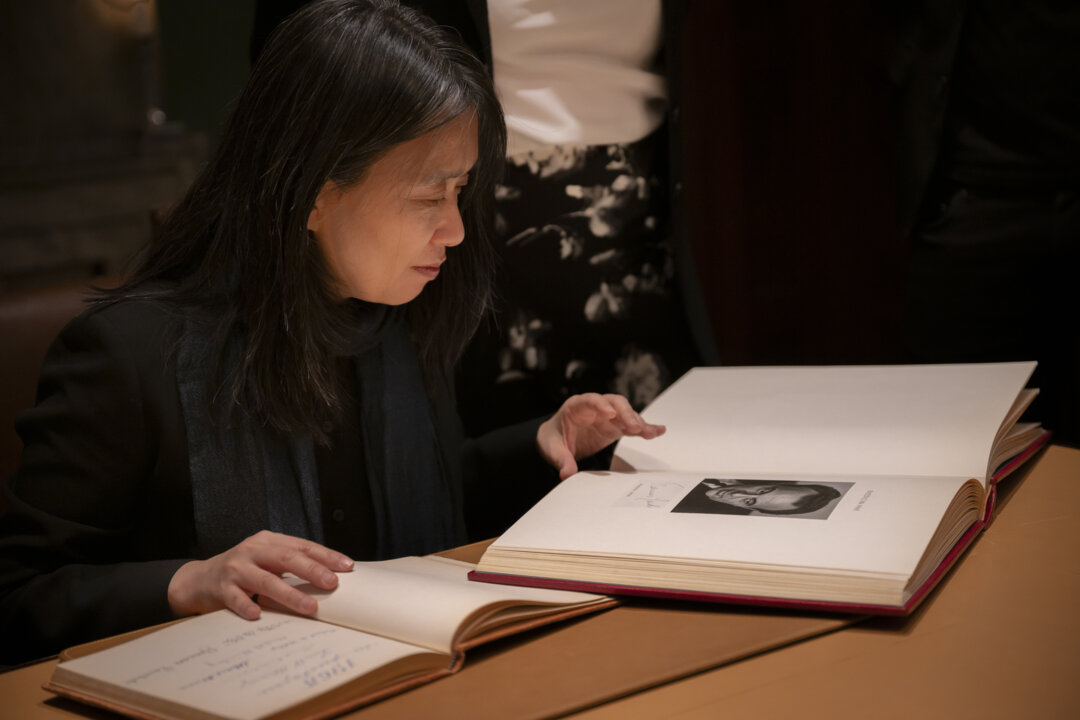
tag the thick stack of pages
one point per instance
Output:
(841, 488)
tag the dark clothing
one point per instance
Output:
(103, 509)
(990, 97)
(989, 162)
(1015, 105)
(993, 278)
(587, 299)
(411, 477)
(348, 512)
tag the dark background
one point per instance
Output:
(790, 190)
(788, 110)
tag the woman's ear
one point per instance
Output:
(323, 200)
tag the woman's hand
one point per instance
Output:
(254, 567)
(586, 424)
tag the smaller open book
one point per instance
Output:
(837, 488)
(388, 626)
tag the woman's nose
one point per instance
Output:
(451, 230)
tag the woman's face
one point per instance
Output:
(385, 237)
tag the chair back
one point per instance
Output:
(30, 319)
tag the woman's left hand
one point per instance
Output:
(586, 424)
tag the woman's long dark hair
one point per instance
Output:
(337, 85)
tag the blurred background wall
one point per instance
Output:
(108, 110)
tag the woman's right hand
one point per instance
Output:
(254, 567)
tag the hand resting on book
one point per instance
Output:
(254, 567)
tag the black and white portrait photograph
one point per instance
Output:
(773, 498)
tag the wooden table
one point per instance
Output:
(1000, 638)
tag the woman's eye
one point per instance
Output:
(452, 196)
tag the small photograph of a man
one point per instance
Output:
(768, 498)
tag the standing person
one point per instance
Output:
(595, 289)
(990, 191)
(269, 391)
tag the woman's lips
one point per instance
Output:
(429, 271)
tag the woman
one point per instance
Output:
(273, 380)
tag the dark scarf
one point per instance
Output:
(245, 480)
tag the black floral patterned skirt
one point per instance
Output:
(587, 297)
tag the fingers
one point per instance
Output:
(273, 554)
(240, 593)
(567, 465)
(239, 602)
(630, 422)
(589, 408)
(613, 409)
(277, 591)
(300, 556)
(306, 559)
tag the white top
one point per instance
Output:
(576, 72)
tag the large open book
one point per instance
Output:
(388, 626)
(850, 488)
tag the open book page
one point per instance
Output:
(928, 420)
(224, 666)
(861, 525)
(426, 601)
